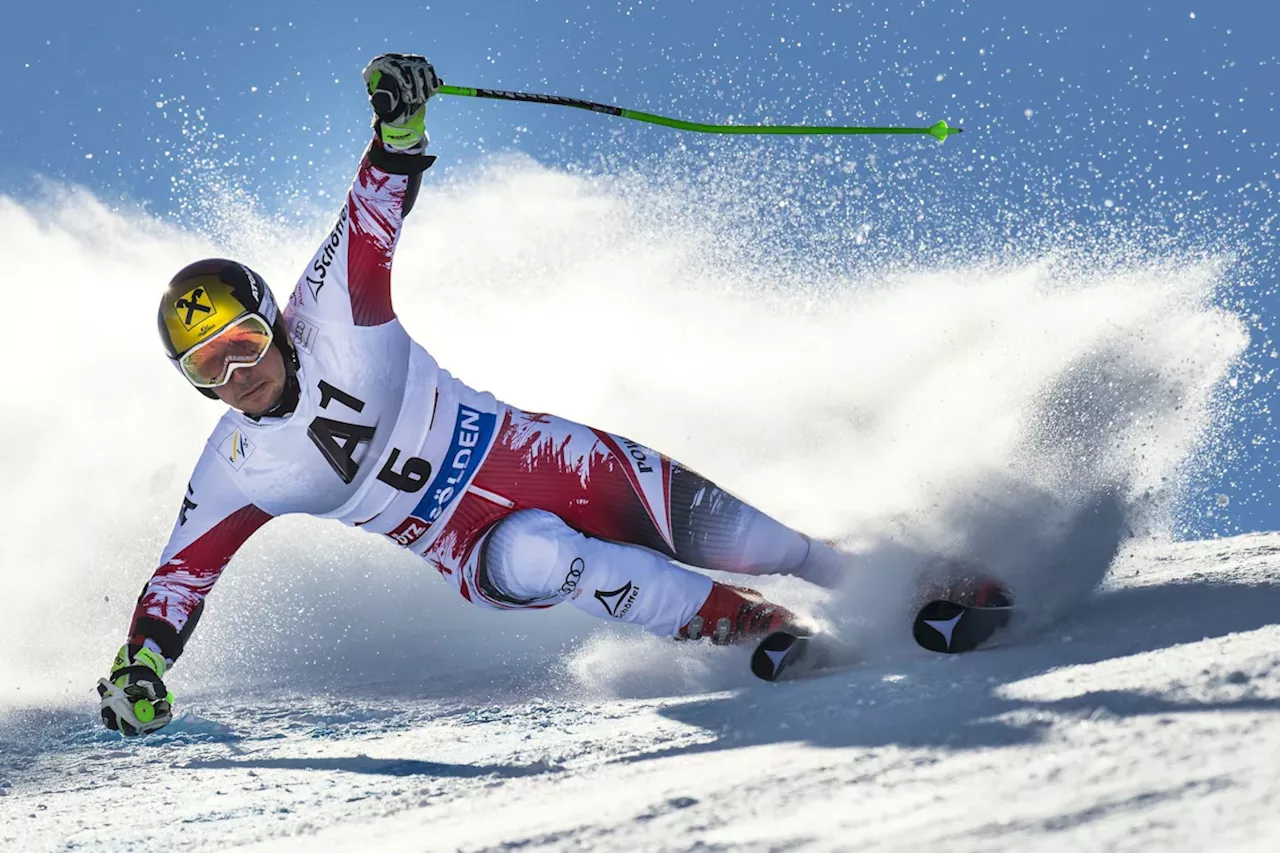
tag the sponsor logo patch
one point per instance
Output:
(650, 475)
(303, 334)
(574, 575)
(236, 448)
(409, 531)
(194, 308)
(617, 602)
(187, 506)
(471, 435)
(253, 283)
(325, 256)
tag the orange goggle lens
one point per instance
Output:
(241, 344)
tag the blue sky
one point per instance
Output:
(1105, 119)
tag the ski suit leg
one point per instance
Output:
(532, 557)
(558, 510)
(610, 487)
(713, 529)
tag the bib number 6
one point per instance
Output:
(410, 478)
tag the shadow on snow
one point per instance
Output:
(374, 766)
(955, 702)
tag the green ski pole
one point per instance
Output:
(938, 131)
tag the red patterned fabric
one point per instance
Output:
(178, 586)
(544, 462)
(375, 205)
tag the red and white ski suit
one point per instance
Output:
(515, 509)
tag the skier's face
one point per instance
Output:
(254, 390)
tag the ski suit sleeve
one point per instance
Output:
(214, 521)
(349, 278)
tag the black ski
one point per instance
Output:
(950, 628)
(783, 656)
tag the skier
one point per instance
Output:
(336, 412)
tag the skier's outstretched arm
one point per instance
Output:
(348, 280)
(213, 522)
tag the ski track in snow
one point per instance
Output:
(1145, 720)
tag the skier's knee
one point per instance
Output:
(529, 557)
(533, 557)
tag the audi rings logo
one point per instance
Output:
(575, 575)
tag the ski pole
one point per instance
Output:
(938, 131)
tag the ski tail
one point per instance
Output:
(786, 655)
(777, 653)
(950, 628)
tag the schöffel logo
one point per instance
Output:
(471, 436)
(618, 601)
(326, 254)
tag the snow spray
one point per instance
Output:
(803, 347)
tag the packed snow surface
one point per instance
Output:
(1144, 719)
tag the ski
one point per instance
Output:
(784, 656)
(950, 628)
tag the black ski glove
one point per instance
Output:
(399, 85)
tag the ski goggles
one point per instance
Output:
(210, 363)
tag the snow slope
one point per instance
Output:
(978, 405)
(1146, 719)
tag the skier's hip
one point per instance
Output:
(599, 484)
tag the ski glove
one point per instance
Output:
(134, 699)
(399, 85)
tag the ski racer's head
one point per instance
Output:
(221, 328)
